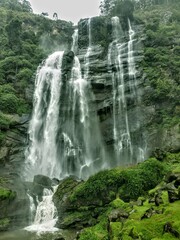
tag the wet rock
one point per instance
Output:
(67, 64)
(159, 154)
(169, 187)
(140, 201)
(173, 196)
(55, 182)
(169, 229)
(172, 177)
(177, 182)
(150, 212)
(12, 198)
(158, 199)
(118, 215)
(42, 180)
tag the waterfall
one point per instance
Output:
(128, 140)
(133, 86)
(121, 132)
(46, 214)
(41, 157)
(88, 53)
(75, 41)
(131, 63)
(64, 134)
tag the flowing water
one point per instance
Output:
(64, 134)
(122, 67)
(121, 132)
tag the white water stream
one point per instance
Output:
(116, 54)
(64, 135)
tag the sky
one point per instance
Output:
(69, 10)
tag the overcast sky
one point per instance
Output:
(69, 10)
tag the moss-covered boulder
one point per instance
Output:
(80, 203)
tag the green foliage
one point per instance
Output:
(6, 193)
(136, 227)
(4, 123)
(97, 232)
(160, 63)
(26, 39)
(132, 182)
(152, 228)
(4, 223)
(9, 103)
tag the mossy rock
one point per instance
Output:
(133, 182)
(6, 193)
(97, 232)
(4, 224)
(77, 220)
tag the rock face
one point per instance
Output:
(12, 189)
(145, 135)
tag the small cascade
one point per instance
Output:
(75, 41)
(46, 215)
(88, 53)
(121, 132)
(133, 86)
(131, 63)
(32, 209)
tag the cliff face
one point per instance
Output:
(146, 133)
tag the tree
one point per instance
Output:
(13, 30)
(26, 6)
(123, 8)
(55, 16)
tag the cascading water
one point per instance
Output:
(41, 157)
(64, 134)
(46, 214)
(133, 85)
(82, 153)
(116, 55)
(121, 61)
(131, 63)
(87, 56)
(75, 41)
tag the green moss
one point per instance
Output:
(83, 216)
(153, 227)
(131, 182)
(6, 193)
(160, 63)
(173, 159)
(97, 232)
(4, 223)
(115, 230)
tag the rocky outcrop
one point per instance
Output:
(12, 188)
(79, 204)
(142, 117)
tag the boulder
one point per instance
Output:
(42, 180)
(169, 229)
(118, 215)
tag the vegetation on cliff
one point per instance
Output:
(160, 20)
(26, 39)
(150, 209)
